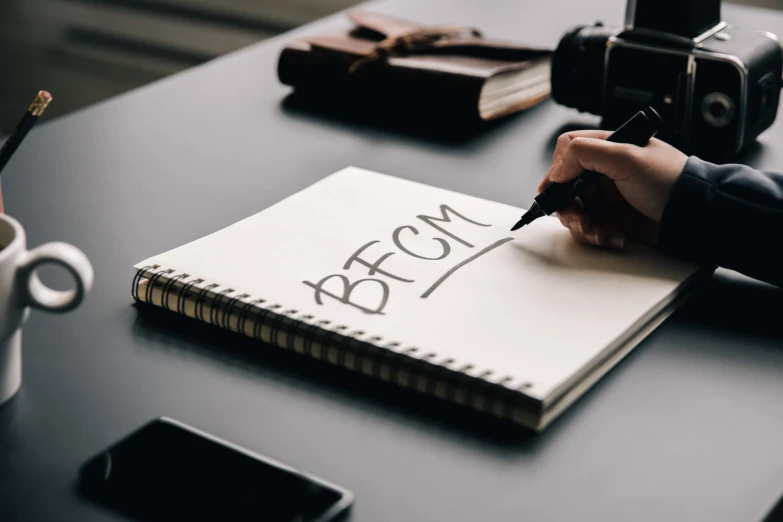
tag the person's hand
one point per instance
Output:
(628, 200)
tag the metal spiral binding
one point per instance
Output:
(354, 350)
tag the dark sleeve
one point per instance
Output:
(729, 216)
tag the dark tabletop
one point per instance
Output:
(687, 428)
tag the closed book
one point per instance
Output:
(449, 71)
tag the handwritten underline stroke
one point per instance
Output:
(459, 265)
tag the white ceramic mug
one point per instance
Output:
(20, 288)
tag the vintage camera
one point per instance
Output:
(716, 86)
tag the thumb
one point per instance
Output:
(613, 160)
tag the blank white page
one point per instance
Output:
(532, 305)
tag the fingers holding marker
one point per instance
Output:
(545, 182)
(589, 230)
(586, 232)
(574, 218)
(614, 160)
(563, 141)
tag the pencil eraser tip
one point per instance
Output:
(45, 95)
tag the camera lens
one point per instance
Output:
(717, 109)
(578, 68)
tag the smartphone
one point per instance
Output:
(167, 470)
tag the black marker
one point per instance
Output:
(636, 131)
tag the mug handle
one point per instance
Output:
(37, 294)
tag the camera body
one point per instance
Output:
(716, 86)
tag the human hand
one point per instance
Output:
(628, 200)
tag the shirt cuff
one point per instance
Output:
(688, 224)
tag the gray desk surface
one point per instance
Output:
(687, 428)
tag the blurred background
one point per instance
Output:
(87, 50)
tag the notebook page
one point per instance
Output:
(440, 271)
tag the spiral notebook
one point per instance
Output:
(425, 288)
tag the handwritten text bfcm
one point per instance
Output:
(384, 277)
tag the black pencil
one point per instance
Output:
(34, 111)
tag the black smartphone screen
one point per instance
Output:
(170, 471)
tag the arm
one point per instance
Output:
(717, 215)
(727, 215)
